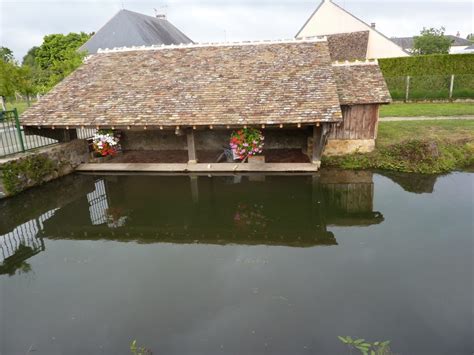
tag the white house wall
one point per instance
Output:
(330, 19)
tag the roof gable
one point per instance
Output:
(229, 84)
(358, 25)
(128, 28)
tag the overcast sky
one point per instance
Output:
(23, 23)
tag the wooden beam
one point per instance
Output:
(192, 159)
(320, 136)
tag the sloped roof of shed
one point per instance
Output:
(361, 83)
(348, 46)
(224, 84)
(128, 28)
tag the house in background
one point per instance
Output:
(128, 28)
(458, 44)
(329, 19)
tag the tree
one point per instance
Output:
(56, 58)
(29, 58)
(431, 41)
(470, 37)
(8, 75)
(6, 55)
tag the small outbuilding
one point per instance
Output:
(188, 99)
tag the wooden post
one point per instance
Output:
(407, 89)
(191, 146)
(320, 136)
(451, 86)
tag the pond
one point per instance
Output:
(238, 264)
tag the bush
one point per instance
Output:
(435, 64)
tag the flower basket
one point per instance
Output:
(105, 145)
(256, 159)
(247, 143)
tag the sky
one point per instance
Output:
(23, 23)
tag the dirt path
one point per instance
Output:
(426, 118)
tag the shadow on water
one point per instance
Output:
(248, 210)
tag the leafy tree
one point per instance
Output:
(470, 37)
(431, 41)
(56, 58)
(8, 76)
(29, 58)
(6, 55)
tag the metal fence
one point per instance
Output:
(431, 87)
(12, 137)
(14, 140)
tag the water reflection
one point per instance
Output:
(254, 209)
(249, 210)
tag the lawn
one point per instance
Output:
(429, 147)
(427, 109)
(20, 106)
(445, 130)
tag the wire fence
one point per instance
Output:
(14, 140)
(431, 87)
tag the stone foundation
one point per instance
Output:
(22, 171)
(349, 146)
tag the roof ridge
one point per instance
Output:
(355, 62)
(312, 39)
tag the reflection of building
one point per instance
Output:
(292, 211)
(21, 244)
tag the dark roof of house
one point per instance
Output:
(348, 46)
(407, 42)
(128, 28)
(224, 84)
(361, 83)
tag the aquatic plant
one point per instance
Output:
(139, 350)
(246, 142)
(365, 347)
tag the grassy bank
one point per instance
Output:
(417, 146)
(430, 109)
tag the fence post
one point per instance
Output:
(407, 89)
(18, 129)
(451, 86)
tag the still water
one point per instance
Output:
(238, 265)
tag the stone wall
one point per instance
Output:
(336, 147)
(20, 172)
(209, 139)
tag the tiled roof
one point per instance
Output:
(348, 46)
(284, 82)
(265, 83)
(361, 83)
(128, 28)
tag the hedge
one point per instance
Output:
(435, 64)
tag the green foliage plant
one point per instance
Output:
(365, 347)
(431, 41)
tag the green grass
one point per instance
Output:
(20, 106)
(427, 109)
(416, 146)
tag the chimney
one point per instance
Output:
(161, 16)
(372, 25)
